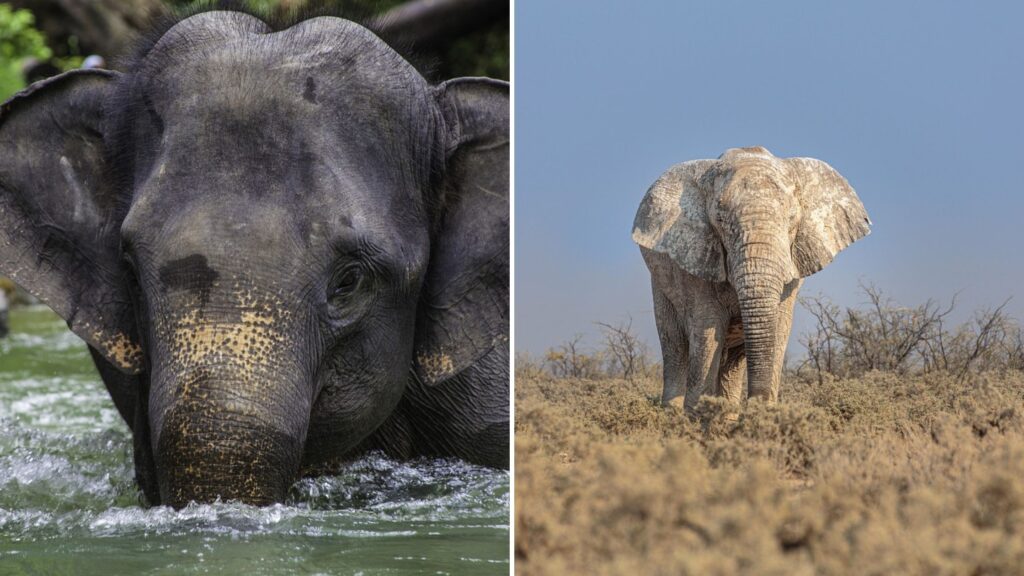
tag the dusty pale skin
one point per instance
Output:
(727, 243)
(284, 247)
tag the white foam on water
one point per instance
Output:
(67, 489)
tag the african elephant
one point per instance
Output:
(727, 243)
(283, 247)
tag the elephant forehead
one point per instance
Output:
(311, 41)
(198, 238)
(750, 151)
(284, 236)
(236, 59)
(322, 119)
(755, 174)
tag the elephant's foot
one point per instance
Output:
(676, 402)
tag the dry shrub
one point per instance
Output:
(569, 360)
(881, 335)
(627, 353)
(623, 355)
(882, 474)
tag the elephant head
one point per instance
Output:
(269, 231)
(757, 222)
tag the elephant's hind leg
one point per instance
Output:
(706, 342)
(674, 349)
(731, 374)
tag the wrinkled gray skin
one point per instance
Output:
(283, 249)
(727, 243)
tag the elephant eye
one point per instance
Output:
(350, 296)
(346, 282)
(128, 258)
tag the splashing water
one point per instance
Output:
(69, 505)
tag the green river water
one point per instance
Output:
(68, 503)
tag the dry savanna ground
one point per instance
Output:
(881, 474)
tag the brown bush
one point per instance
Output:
(881, 335)
(881, 474)
(623, 355)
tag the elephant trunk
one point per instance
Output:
(229, 408)
(212, 448)
(759, 281)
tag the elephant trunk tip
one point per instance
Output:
(203, 461)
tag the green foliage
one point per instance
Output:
(285, 6)
(19, 40)
(264, 5)
(482, 53)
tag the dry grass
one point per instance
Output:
(875, 475)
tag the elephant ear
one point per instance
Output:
(833, 217)
(464, 308)
(673, 219)
(58, 237)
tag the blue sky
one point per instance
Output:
(917, 104)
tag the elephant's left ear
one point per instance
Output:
(464, 307)
(833, 216)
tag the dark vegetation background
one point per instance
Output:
(446, 38)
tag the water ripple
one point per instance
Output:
(69, 504)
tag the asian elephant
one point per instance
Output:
(727, 243)
(283, 247)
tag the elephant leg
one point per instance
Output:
(732, 373)
(785, 324)
(674, 350)
(706, 343)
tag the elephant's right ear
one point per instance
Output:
(59, 233)
(673, 220)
